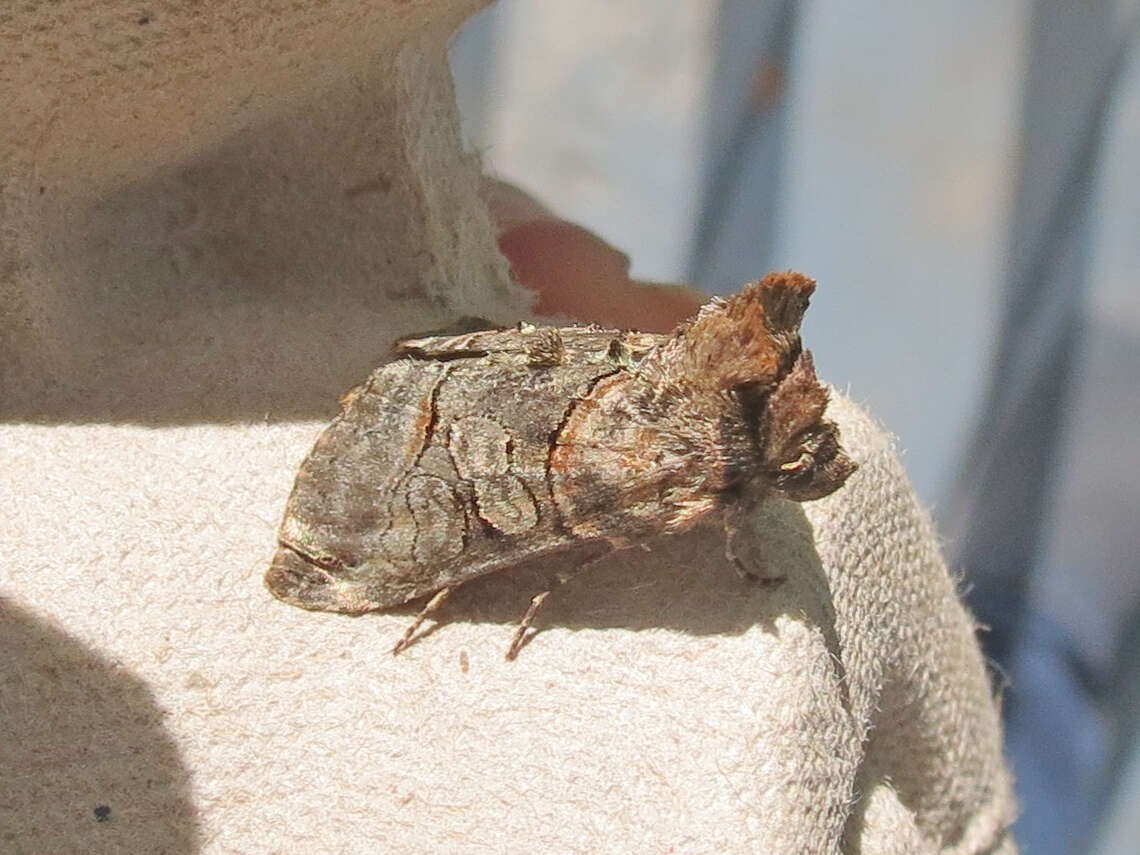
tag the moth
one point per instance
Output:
(472, 452)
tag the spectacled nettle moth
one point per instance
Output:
(473, 452)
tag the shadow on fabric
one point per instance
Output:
(680, 582)
(86, 764)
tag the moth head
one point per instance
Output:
(800, 453)
(748, 348)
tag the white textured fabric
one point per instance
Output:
(187, 335)
(666, 704)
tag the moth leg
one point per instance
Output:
(427, 611)
(733, 517)
(730, 552)
(591, 553)
(757, 568)
(535, 604)
(520, 639)
(527, 619)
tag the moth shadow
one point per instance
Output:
(677, 582)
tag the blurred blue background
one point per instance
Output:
(963, 179)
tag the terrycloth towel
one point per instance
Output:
(180, 317)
